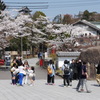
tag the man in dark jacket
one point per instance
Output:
(98, 74)
(83, 79)
(71, 71)
(19, 61)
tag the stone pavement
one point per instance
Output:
(41, 91)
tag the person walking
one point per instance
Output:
(83, 79)
(98, 74)
(66, 73)
(79, 74)
(41, 62)
(51, 72)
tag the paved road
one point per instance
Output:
(41, 91)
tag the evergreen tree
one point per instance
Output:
(37, 14)
(86, 15)
(2, 6)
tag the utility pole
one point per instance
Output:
(22, 47)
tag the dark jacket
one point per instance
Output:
(19, 62)
(98, 69)
(83, 71)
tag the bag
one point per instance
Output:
(49, 70)
(66, 70)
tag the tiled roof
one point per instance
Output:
(88, 23)
(68, 54)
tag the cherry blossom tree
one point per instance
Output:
(37, 31)
(13, 27)
(6, 24)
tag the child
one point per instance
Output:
(13, 75)
(26, 66)
(31, 75)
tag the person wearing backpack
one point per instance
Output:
(66, 73)
(50, 73)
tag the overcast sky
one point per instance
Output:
(56, 7)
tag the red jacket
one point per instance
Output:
(41, 62)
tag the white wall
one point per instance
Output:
(62, 59)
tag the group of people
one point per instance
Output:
(21, 72)
(69, 72)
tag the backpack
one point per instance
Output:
(49, 70)
(66, 70)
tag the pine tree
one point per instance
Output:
(2, 6)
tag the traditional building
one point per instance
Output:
(62, 56)
(97, 24)
(90, 29)
(25, 10)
